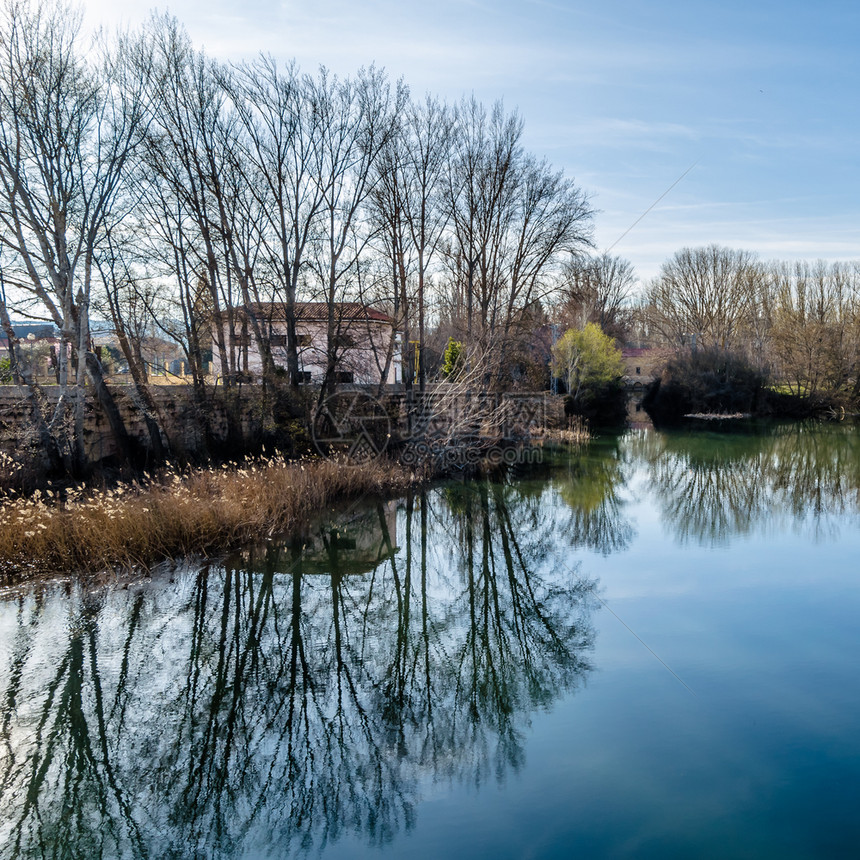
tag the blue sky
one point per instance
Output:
(762, 97)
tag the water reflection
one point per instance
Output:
(714, 486)
(306, 689)
(591, 485)
(266, 705)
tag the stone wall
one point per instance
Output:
(183, 422)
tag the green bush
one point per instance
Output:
(453, 359)
(592, 369)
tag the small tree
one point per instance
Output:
(586, 358)
(592, 368)
(451, 361)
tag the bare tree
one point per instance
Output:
(409, 204)
(514, 219)
(172, 284)
(815, 325)
(280, 144)
(389, 211)
(479, 196)
(705, 295)
(358, 120)
(22, 374)
(182, 163)
(197, 187)
(67, 132)
(122, 301)
(598, 290)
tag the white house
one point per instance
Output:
(363, 341)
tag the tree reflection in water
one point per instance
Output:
(296, 691)
(589, 485)
(714, 486)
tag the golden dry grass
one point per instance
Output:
(198, 513)
(574, 435)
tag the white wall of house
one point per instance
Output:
(361, 355)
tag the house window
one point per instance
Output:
(305, 377)
(638, 371)
(345, 376)
(242, 340)
(303, 339)
(278, 340)
(344, 341)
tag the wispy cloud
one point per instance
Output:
(623, 96)
(790, 238)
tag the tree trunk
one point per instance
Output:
(109, 407)
(147, 403)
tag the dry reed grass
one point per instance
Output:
(198, 513)
(575, 434)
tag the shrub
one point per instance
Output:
(592, 368)
(452, 360)
(707, 381)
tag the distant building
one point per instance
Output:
(363, 341)
(643, 364)
(40, 343)
(30, 333)
(161, 357)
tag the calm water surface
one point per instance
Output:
(651, 649)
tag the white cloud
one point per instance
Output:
(624, 98)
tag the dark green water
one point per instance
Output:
(648, 650)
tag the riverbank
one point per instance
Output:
(199, 512)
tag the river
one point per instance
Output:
(648, 648)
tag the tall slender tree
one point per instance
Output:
(68, 128)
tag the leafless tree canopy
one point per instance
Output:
(800, 321)
(706, 292)
(179, 197)
(144, 183)
(599, 289)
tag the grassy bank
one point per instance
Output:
(201, 512)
